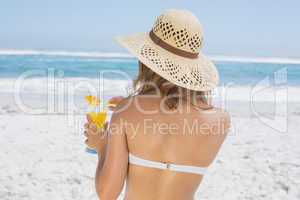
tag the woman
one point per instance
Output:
(162, 139)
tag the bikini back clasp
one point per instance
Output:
(166, 166)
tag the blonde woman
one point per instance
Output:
(162, 139)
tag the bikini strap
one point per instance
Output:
(166, 166)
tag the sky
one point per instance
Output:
(253, 28)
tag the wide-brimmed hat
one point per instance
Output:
(172, 50)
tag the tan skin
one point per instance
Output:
(152, 134)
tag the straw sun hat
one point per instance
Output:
(172, 50)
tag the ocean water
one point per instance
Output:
(40, 79)
(237, 73)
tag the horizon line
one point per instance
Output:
(95, 54)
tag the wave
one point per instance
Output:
(273, 60)
(220, 58)
(45, 86)
(113, 87)
(64, 53)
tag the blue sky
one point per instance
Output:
(232, 27)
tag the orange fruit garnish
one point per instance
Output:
(92, 100)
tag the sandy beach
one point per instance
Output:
(41, 128)
(43, 157)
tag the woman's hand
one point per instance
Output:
(96, 138)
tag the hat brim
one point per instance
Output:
(198, 74)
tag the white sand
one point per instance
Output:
(43, 157)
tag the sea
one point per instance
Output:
(239, 72)
(37, 77)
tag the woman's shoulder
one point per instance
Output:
(125, 107)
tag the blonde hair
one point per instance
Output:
(149, 82)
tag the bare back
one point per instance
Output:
(188, 136)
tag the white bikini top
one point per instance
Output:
(166, 166)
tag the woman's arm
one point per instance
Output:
(101, 148)
(111, 146)
(113, 162)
